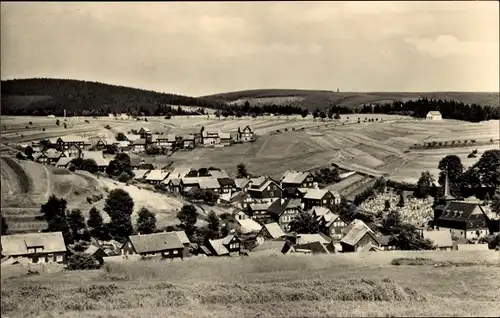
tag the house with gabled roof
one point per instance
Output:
(156, 176)
(64, 142)
(309, 244)
(246, 134)
(330, 224)
(49, 156)
(165, 245)
(265, 189)
(166, 141)
(270, 231)
(241, 184)
(247, 225)
(210, 138)
(357, 236)
(284, 212)
(441, 239)
(268, 248)
(209, 183)
(225, 138)
(63, 162)
(141, 173)
(227, 246)
(188, 141)
(98, 157)
(465, 220)
(297, 179)
(434, 115)
(320, 198)
(139, 145)
(37, 248)
(102, 143)
(145, 133)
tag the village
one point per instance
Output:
(266, 213)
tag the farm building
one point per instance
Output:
(264, 189)
(320, 198)
(270, 231)
(434, 115)
(441, 239)
(297, 179)
(209, 183)
(146, 133)
(63, 162)
(37, 248)
(210, 138)
(165, 244)
(228, 246)
(358, 237)
(104, 142)
(464, 220)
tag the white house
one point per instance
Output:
(434, 115)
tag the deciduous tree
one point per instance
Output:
(119, 206)
(146, 222)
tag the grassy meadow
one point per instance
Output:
(266, 286)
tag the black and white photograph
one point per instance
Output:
(250, 159)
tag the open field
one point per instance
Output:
(265, 286)
(374, 148)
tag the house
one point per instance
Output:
(63, 162)
(209, 184)
(297, 179)
(210, 138)
(185, 242)
(37, 248)
(246, 134)
(50, 156)
(166, 141)
(240, 215)
(434, 115)
(309, 244)
(283, 211)
(333, 225)
(98, 157)
(156, 176)
(123, 145)
(464, 220)
(320, 198)
(188, 141)
(357, 236)
(97, 252)
(64, 142)
(441, 239)
(225, 139)
(164, 244)
(248, 225)
(189, 184)
(140, 174)
(102, 143)
(139, 145)
(73, 151)
(259, 211)
(235, 137)
(241, 184)
(241, 200)
(264, 189)
(270, 231)
(226, 188)
(146, 133)
(228, 246)
(132, 137)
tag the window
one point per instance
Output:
(176, 252)
(324, 201)
(271, 193)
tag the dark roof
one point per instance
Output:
(225, 181)
(276, 208)
(156, 242)
(459, 211)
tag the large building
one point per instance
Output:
(465, 220)
(37, 248)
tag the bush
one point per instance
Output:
(82, 262)
(124, 177)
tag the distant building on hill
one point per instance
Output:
(434, 115)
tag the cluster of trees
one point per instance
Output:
(120, 167)
(331, 113)
(449, 109)
(327, 176)
(248, 110)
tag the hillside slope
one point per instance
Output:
(311, 99)
(40, 96)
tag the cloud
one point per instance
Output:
(446, 45)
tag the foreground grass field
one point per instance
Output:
(272, 286)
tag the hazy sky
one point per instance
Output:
(203, 48)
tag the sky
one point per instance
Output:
(213, 47)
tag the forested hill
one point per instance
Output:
(321, 99)
(41, 96)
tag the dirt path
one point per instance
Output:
(49, 184)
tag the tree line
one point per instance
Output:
(449, 109)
